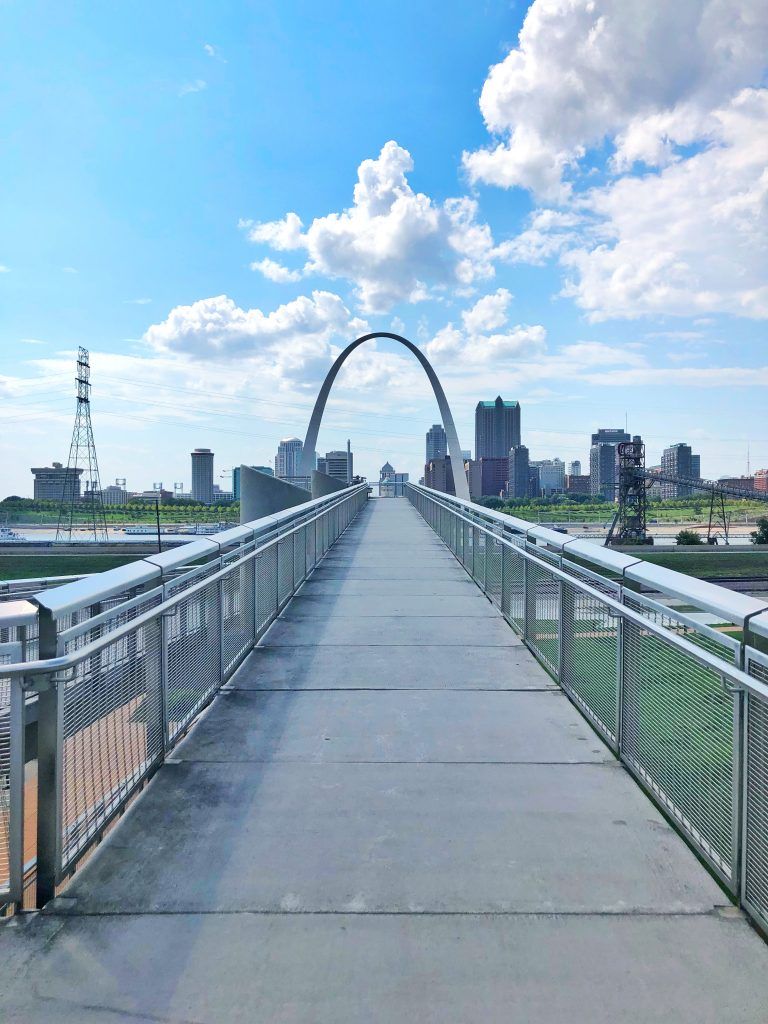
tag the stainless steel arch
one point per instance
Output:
(454, 448)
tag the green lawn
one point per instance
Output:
(14, 567)
(713, 564)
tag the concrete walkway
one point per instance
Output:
(391, 815)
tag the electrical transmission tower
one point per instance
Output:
(85, 511)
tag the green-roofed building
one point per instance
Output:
(497, 428)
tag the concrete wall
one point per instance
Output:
(262, 495)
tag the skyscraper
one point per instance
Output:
(551, 476)
(519, 472)
(437, 443)
(679, 460)
(602, 460)
(574, 468)
(202, 475)
(497, 428)
(337, 464)
(288, 461)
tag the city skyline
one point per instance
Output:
(538, 246)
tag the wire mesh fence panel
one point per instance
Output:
(543, 601)
(237, 613)
(755, 880)
(112, 734)
(467, 538)
(96, 621)
(284, 569)
(192, 638)
(589, 666)
(266, 587)
(478, 556)
(593, 579)
(493, 569)
(299, 556)
(677, 737)
(514, 583)
(720, 644)
(311, 550)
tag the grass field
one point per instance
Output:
(15, 567)
(713, 564)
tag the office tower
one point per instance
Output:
(487, 478)
(437, 443)
(761, 480)
(55, 483)
(603, 460)
(497, 428)
(202, 475)
(551, 476)
(574, 468)
(466, 454)
(679, 460)
(518, 472)
(438, 474)
(288, 460)
(337, 464)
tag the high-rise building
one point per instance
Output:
(603, 461)
(551, 476)
(577, 484)
(679, 460)
(202, 475)
(56, 483)
(574, 468)
(518, 472)
(438, 474)
(337, 464)
(497, 428)
(437, 442)
(761, 480)
(288, 460)
(487, 478)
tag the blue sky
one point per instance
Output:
(572, 215)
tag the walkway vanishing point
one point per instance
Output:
(390, 815)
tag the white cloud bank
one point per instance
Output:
(485, 335)
(393, 244)
(673, 92)
(294, 342)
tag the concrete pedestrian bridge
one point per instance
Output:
(403, 804)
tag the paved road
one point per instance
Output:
(391, 815)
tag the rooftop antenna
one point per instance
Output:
(82, 460)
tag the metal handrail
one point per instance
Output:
(738, 608)
(704, 657)
(65, 662)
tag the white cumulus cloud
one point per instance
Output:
(294, 341)
(393, 244)
(275, 271)
(668, 98)
(486, 336)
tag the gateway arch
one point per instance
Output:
(454, 449)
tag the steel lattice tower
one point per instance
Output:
(86, 510)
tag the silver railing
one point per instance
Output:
(110, 670)
(673, 682)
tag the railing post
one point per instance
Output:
(739, 782)
(16, 808)
(620, 628)
(560, 624)
(526, 601)
(49, 755)
(220, 619)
